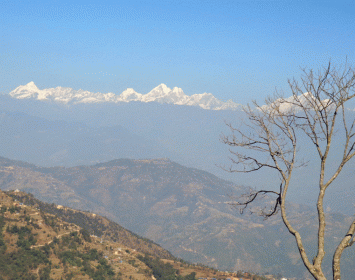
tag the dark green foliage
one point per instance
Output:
(49, 220)
(71, 257)
(14, 209)
(54, 242)
(44, 273)
(191, 276)
(164, 271)
(92, 255)
(46, 250)
(132, 263)
(71, 241)
(25, 236)
(76, 258)
(2, 242)
(26, 242)
(69, 276)
(86, 235)
(16, 265)
(17, 230)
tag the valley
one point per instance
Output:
(183, 209)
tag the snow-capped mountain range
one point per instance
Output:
(160, 94)
(296, 103)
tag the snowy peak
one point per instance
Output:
(162, 89)
(164, 94)
(130, 95)
(160, 94)
(31, 86)
(26, 91)
(297, 103)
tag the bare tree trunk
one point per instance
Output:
(346, 242)
(321, 229)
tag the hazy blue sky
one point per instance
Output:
(234, 49)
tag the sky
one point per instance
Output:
(240, 50)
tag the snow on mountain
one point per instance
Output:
(161, 94)
(26, 91)
(129, 95)
(295, 103)
(60, 94)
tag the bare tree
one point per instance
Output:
(317, 110)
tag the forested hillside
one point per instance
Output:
(37, 244)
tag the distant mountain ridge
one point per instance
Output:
(160, 94)
(98, 132)
(186, 210)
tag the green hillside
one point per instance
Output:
(36, 244)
